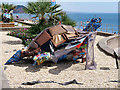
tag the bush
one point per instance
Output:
(11, 19)
(67, 21)
(0, 17)
(37, 28)
(23, 34)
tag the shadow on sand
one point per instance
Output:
(13, 42)
(61, 65)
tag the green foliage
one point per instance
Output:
(23, 34)
(7, 6)
(37, 28)
(38, 8)
(67, 21)
(54, 14)
(11, 19)
(0, 17)
(48, 15)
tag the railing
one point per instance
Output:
(110, 28)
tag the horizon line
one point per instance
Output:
(91, 12)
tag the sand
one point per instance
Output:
(23, 71)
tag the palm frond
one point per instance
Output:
(56, 11)
(7, 6)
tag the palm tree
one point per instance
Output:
(54, 14)
(7, 6)
(47, 14)
(39, 9)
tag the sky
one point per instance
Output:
(90, 7)
(84, 6)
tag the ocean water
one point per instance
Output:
(109, 20)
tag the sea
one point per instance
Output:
(109, 20)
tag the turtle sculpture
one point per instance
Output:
(60, 42)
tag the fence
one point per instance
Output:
(110, 28)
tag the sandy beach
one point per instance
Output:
(23, 71)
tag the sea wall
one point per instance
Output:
(114, 42)
(110, 43)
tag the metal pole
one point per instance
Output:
(106, 27)
(101, 29)
(112, 28)
(92, 27)
(79, 24)
(116, 57)
(86, 66)
(118, 29)
(83, 25)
